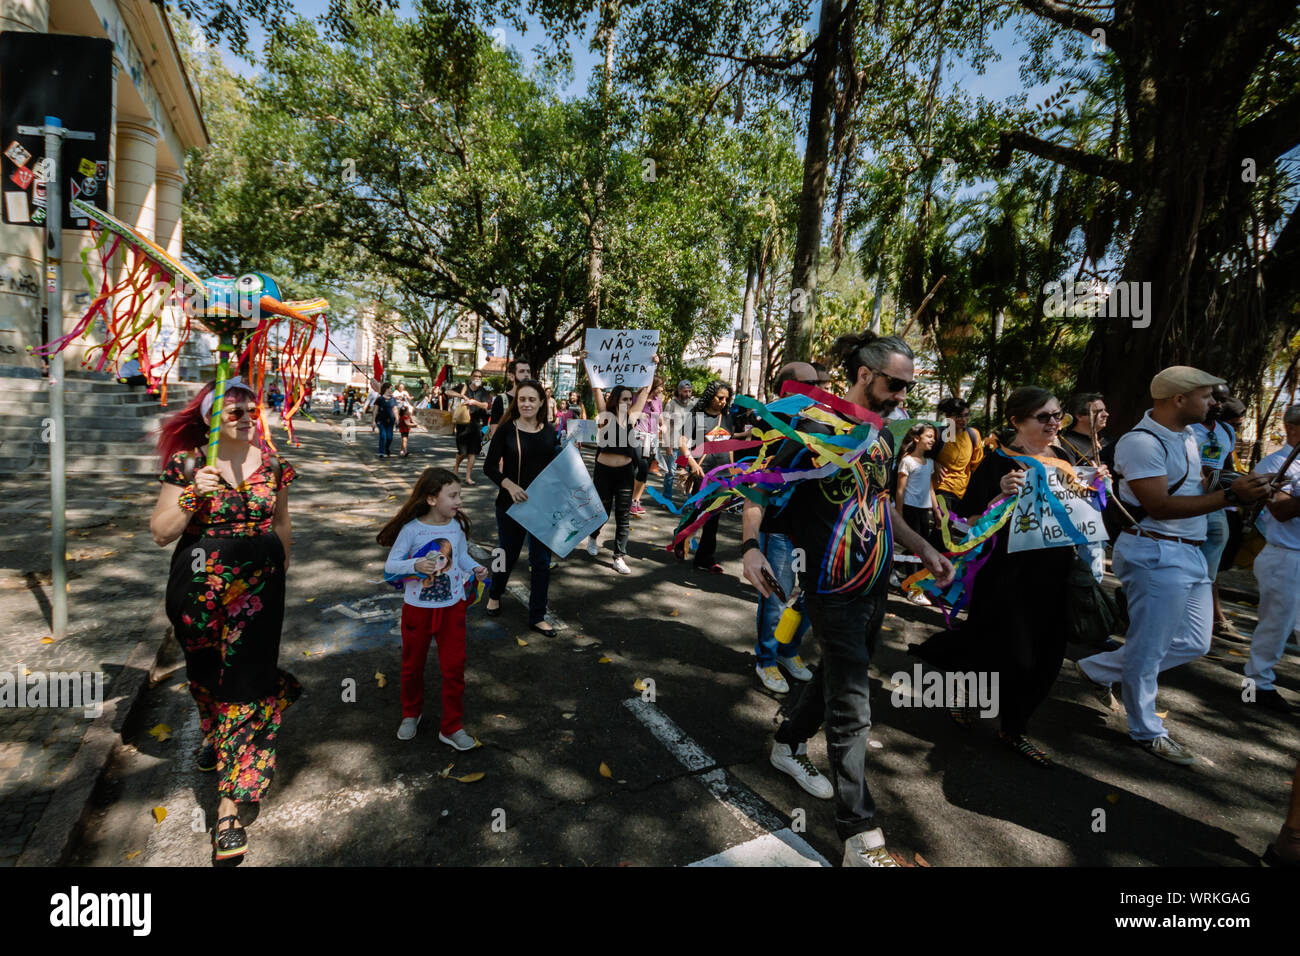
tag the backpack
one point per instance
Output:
(1112, 517)
(939, 442)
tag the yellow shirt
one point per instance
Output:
(957, 459)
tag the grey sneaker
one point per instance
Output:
(1101, 693)
(1166, 748)
(795, 762)
(460, 740)
(593, 547)
(406, 730)
(867, 849)
(772, 679)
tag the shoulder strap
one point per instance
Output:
(1187, 465)
(519, 458)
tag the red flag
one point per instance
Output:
(442, 376)
(379, 369)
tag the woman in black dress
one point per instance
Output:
(469, 435)
(225, 593)
(523, 444)
(1014, 624)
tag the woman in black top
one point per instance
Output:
(469, 437)
(1014, 625)
(618, 456)
(523, 444)
(385, 419)
(711, 422)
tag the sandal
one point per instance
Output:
(230, 842)
(547, 632)
(713, 568)
(1022, 746)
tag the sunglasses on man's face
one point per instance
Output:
(896, 384)
(1044, 418)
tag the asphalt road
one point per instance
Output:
(689, 779)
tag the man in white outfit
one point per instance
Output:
(1159, 560)
(1277, 569)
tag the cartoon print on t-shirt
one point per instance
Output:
(437, 587)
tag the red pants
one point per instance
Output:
(420, 625)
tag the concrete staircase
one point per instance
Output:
(111, 428)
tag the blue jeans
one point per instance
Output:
(848, 628)
(511, 534)
(385, 437)
(777, 548)
(666, 455)
(1216, 540)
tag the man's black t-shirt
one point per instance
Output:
(481, 394)
(498, 408)
(841, 521)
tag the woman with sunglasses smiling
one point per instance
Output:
(225, 594)
(1014, 624)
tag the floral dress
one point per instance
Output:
(225, 600)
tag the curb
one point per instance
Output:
(59, 827)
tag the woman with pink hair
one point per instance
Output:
(225, 593)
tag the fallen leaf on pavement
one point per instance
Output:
(306, 653)
(1235, 653)
(446, 770)
(1162, 714)
(605, 660)
(521, 642)
(133, 854)
(380, 679)
(47, 640)
(920, 860)
(605, 771)
(470, 777)
(639, 685)
(1113, 797)
(160, 732)
(309, 600)
(160, 814)
(673, 612)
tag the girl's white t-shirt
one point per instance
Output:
(918, 471)
(447, 540)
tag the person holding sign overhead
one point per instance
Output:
(523, 444)
(618, 456)
(1013, 626)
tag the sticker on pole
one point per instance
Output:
(17, 154)
(22, 176)
(86, 167)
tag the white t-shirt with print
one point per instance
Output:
(440, 590)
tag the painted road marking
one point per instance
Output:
(750, 810)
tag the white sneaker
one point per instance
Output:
(593, 548)
(796, 764)
(772, 679)
(620, 565)
(794, 667)
(1166, 748)
(867, 849)
(460, 740)
(919, 599)
(406, 730)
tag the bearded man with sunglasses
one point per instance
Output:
(1159, 560)
(842, 524)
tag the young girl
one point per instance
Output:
(428, 540)
(404, 423)
(915, 490)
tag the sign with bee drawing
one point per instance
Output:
(1036, 523)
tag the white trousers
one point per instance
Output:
(1170, 610)
(1278, 572)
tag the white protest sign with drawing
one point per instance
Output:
(1034, 523)
(562, 506)
(580, 430)
(621, 356)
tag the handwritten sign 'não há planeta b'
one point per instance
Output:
(621, 356)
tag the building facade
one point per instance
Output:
(156, 118)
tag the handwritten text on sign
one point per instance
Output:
(1034, 525)
(621, 356)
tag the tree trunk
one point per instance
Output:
(747, 323)
(808, 238)
(596, 234)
